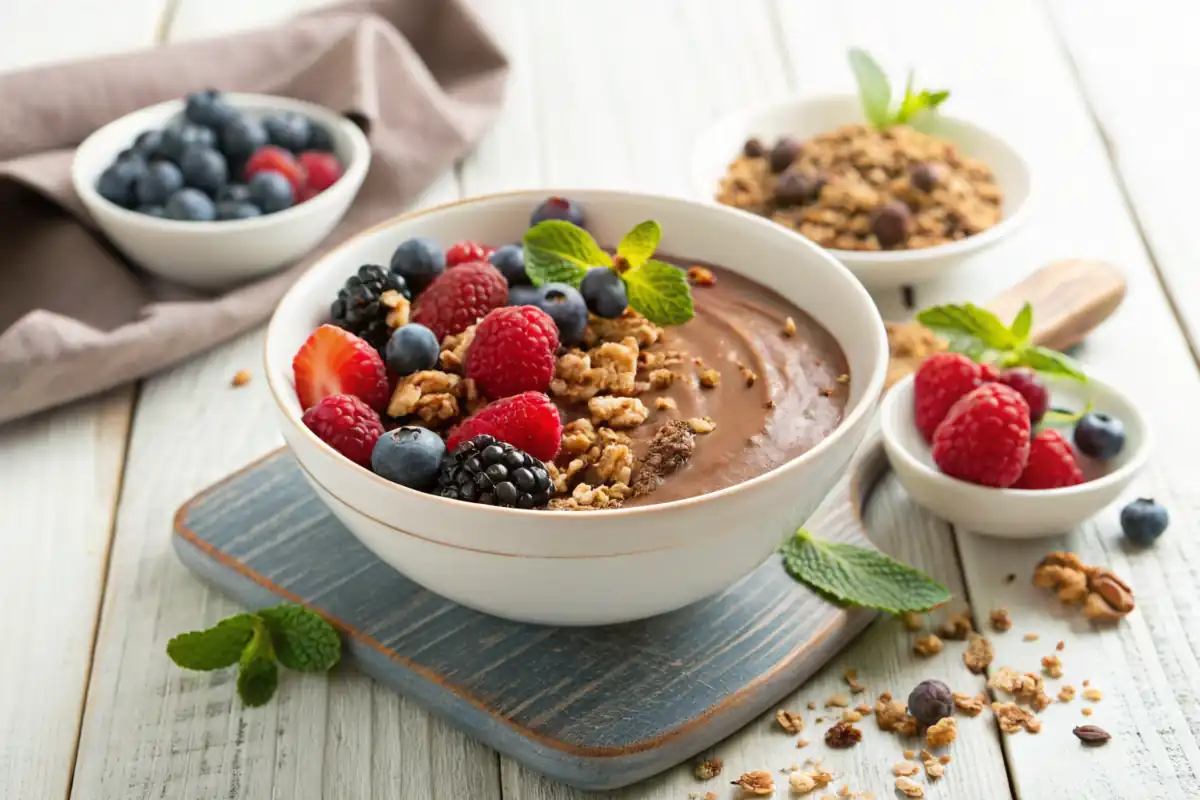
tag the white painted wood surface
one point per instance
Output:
(582, 111)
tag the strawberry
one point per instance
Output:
(528, 421)
(940, 381)
(335, 361)
(1051, 465)
(984, 439)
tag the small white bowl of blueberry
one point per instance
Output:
(220, 188)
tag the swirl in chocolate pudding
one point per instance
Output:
(772, 381)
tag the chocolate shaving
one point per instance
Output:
(669, 450)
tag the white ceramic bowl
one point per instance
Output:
(805, 118)
(1014, 513)
(215, 254)
(588, 568)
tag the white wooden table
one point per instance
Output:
(1100, 95)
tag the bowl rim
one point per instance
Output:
(1009, 222)
(866, 405)
(903, 390)
(352, 172)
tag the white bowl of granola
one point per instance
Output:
(571, 567)
(977, 187)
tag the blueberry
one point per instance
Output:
(419, 261)
(270, 191)
(148, 143)
(153, 211)
(412, 348)
(524, 295)
(162, 179)
(204, 169)
(409, 456)
(118, 183)
(1099, 436)
(510, 260)
(289, 131)
(237, 192)
(1143, 521)
(237, 209)
(604, 292)
(208, 108)
(191, 205)
(177, 139)
(557, 208)
(240, 137)
(566, 307)
(319, 138)
(130, 154)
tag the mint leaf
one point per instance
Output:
(860, 576)
(1054, 417)
(1045, 360)
(257, 673)
(1023, 324)
(302, 639)
(559, 252)
(660, 293)
(874, 90)
(970, 320)
(639, 244)
(216, 648)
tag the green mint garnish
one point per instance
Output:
(875, 92)
(295, 636)
(979, 334)
(860, 576)
(557, 251)
(1055, 417)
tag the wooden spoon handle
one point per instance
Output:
(1070, 299)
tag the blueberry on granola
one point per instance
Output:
(925, 177)
(361, 307)
(891, 223)
(484, 470)
(785, 151)
(797, 188)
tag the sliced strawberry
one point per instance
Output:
(334, 361)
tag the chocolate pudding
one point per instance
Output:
(751, 380)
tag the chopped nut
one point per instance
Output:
(801, 743)
(1000, 620)
(1052, 666)
(942, 732)
(910, 754)
(811, 705)
(892, 715)
(629, 324)
(801, 782)
(934, 769)
(979, 654)
(619, 412)
(454, 350)
(909, 789)
(398, 307)
(851, 676)
(615, 464)
(905, 768)
(1091, 735)
(863, 708)
(912, 620)
(702, 424)
(769, 404)
(1066, 694)
(1061, 644)
(665, 404)
(1030, 637)
(710, 378)
(928, 645)
(1013, 718)
(1086, 711)
(789, 721)
(701, 276)
(842, 735)
(661, 378)
(972, 706)
(430, 394)
(1025, 687)
(837, 701)
(850, 715)
(708, 768)
(1105, 597)
(957, 626)
(241, 377)
(944, 758)
(789, 327)
(748, 375)
(759, 783)
(1093, 694)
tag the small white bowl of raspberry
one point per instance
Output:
(1010, 512)
(177, 186)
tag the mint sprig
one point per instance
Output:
(559, 252)
(860, 576)
(875, 92)
(294, 636)
(979, 334)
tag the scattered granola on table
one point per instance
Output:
(909, 788)
(972, 706)
(912, 620)
(1091, 735)
(1000, 620)
(842, 735)
(928, 645)
(1052, 666)
(1066, 693)
(851, 676)
(240, 378)
(789, 721)
(758, 783)
(979, 654)
(708, 768)
(958, 626)
(1105, 597)
(1013, 718)
(941, 733)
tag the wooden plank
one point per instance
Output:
(59, 480)
(1147, 667)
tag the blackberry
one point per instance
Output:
(484, 470)
(358, 308)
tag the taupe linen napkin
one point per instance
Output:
(75, 317)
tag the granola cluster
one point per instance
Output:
(833, 186)
(1104, 596)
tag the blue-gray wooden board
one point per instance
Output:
(596, 708)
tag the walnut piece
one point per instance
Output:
(1052, 666)
(398, 307)
(942, 732)
(619, 412)
(979, 654)
(789, 721)
(454, 350)
(577, 437)
(432, 395)
(759, 783)
(1013, 718)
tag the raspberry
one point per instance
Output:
(940, 381)
(466, 252)
(985, 437)
(322, 170)
(334, 361)
(1052, 463)
(528, 421)
(513, 351)
(988, 374)
(1027, 382)
(346, 424)
(459, 297)
(275, 159)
